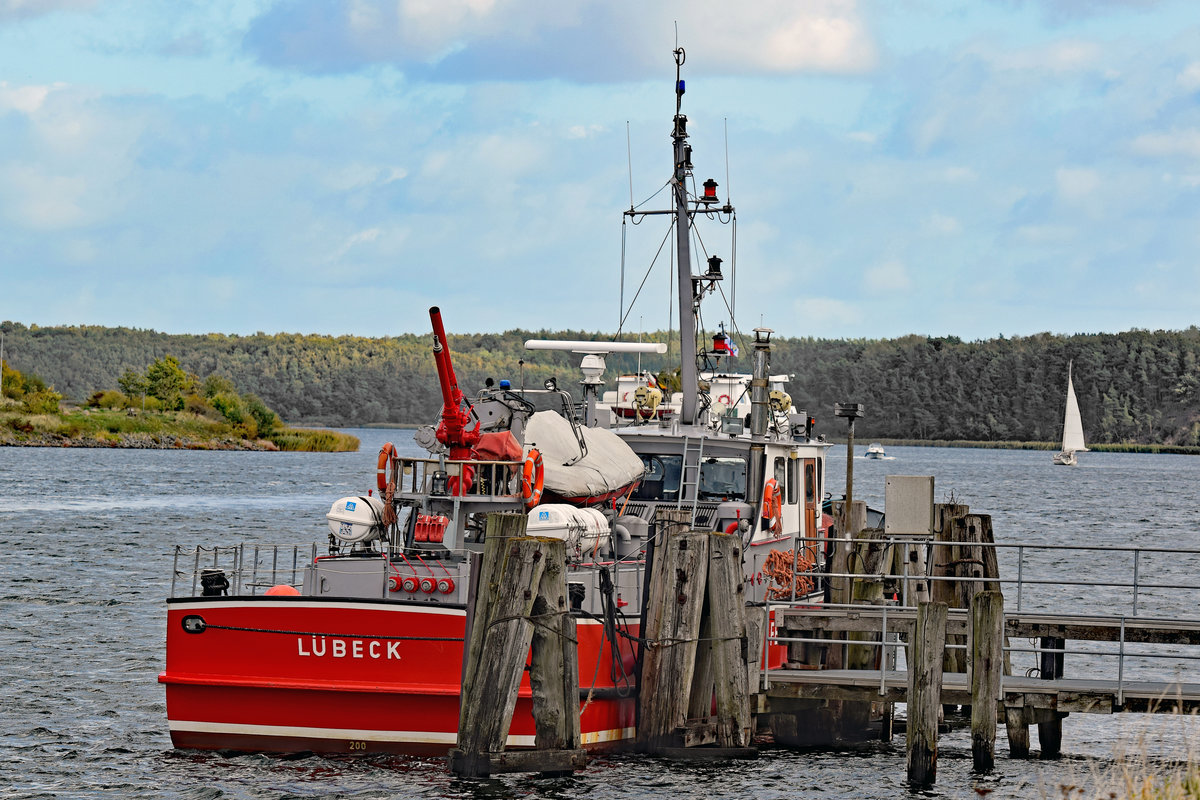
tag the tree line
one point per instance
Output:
(1137, 386)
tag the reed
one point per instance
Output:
(314, 441)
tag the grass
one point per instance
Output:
(76, 427)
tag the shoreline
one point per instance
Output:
(134, 430)
(1153, 449)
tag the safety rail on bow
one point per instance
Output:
(493, 480)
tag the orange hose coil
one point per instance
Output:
(778, 567)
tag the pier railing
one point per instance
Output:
(1119, 613)
(1123, 579)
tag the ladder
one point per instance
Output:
(689, 477)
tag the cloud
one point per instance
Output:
(1065, 11)
(25, 9)
(25, 99)
(890, 276)
(1174, 143)
(1189, 78)
(590, 41)
(942, 224)
(1075, 185)
(1058, 57)
(820, 312)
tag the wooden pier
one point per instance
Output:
(1020, 701)
(704, 690)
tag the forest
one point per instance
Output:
(1134, 387)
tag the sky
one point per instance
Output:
(946, 168)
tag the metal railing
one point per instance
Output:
(240, 569)
(498, 480)
(1125, 575)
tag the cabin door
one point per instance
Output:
(812, 506)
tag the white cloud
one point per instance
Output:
(35, 199)
(1064, 56)
(1076, 185)
(1045, 234)
(1175, 143)
(590, 39)
(26, 99)
(942, 224)
(584, 131)
(23, 9)
(1189, 79)
(816, 311)
(959, 175)
(890, 276)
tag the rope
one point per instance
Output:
(337, 635)
(778, 567)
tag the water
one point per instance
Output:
(88, 538)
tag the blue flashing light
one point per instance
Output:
(679, 87)
(505, 383)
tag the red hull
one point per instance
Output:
(288, 675)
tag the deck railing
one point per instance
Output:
(499, 480)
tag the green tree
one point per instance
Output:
(167, 381)
(267, 419)
(133, 384)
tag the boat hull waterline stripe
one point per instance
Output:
(420, 737)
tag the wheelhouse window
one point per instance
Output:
(661, 480)
(723, 479)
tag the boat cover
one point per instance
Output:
(609, 468)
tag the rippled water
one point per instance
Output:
(87, 537)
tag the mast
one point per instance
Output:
(688, 377)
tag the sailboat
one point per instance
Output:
(1072, 428)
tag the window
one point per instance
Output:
(793, 481)
(723, 479)
(661, 481)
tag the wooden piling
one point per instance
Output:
(925, 691)
(727, 616)
(673, 617)
(519, 577)
(987, 669)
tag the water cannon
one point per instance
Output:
(454, 430)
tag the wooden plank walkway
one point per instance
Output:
(1059, 694)
(1063, 694)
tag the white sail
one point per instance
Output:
(1072, 424)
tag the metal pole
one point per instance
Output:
(849, 483)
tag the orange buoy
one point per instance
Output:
(533, 477)
(772, 507)
(282, 589)
(386, 454)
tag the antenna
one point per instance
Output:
(733, 259)
(629, 157)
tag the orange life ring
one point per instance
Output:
(772, 506)
(533, 477)
(386, 454)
